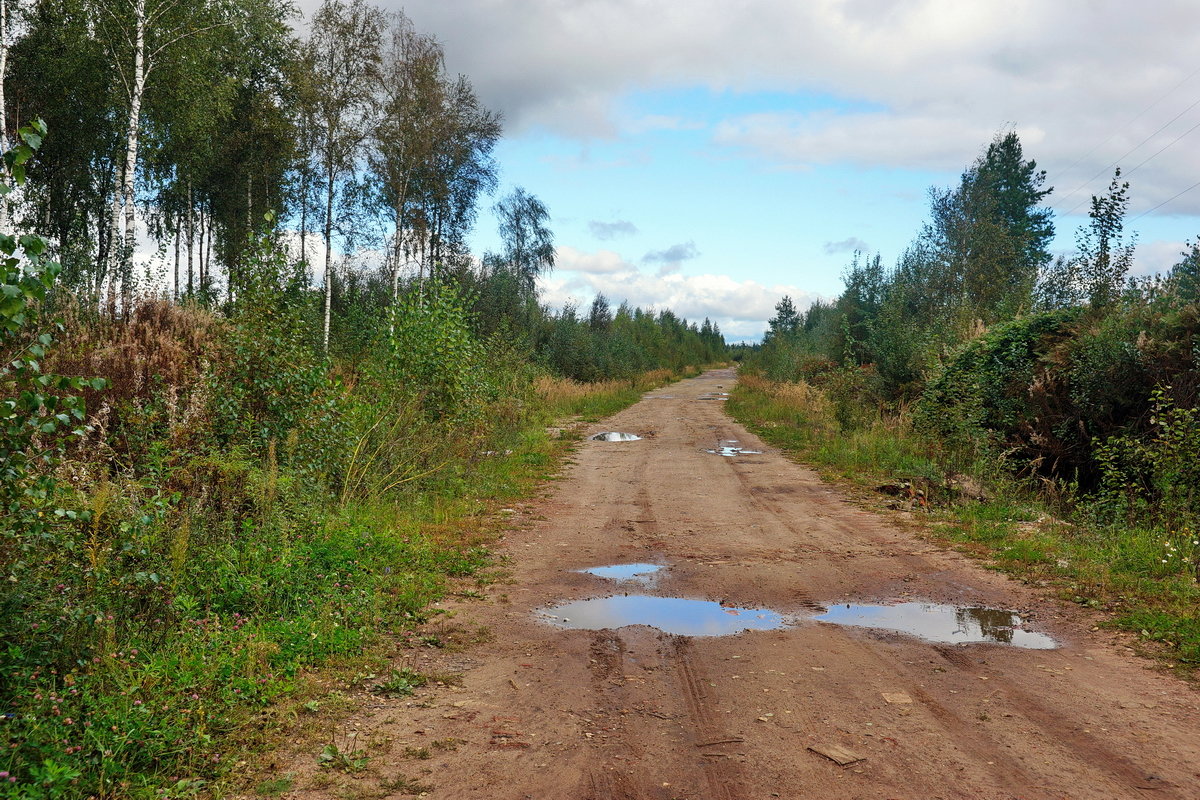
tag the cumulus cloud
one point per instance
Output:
(846, 246)
(1156, 257)
(938, 77)
(601, 262)
(740, 307)
(611, 230)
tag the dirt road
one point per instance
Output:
(547, 712)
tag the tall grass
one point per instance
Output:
(561, 398)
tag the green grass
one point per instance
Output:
(172, 639)
(1144, 577)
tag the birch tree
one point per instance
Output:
(528, 240)
(138, 36)
(411, 100)
(344, 50)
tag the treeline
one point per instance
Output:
(1060, 368)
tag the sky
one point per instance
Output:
(711, 156)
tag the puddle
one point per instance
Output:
(613, 436)
(675, 615)
(714, 396)
(728, 447)
(640, 573)
(659, 396)
(942, 623)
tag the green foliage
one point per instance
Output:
(981, 400)
(1154, 475)
(434, 353)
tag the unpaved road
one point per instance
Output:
(636, 713)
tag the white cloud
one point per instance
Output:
(740, 308)
(939, 77)
(1152, 257)
(601, 262)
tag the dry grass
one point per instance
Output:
(564, 397)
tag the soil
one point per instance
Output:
(547, 712)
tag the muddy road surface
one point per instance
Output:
(989, 705)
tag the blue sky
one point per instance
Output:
(713, 155)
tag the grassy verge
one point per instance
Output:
(205, 627)
(1144, 577)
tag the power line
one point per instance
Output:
(1135, 118)
(1167, 146)
(1164, 147)
(1164, 202)
(1128, 152)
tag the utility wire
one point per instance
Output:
(1135, 118)
(1144, 161)
(1164, 202)
(1126, 153)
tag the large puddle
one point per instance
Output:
(636, 573)
(614, 436)
(943, 624)
(669, 614)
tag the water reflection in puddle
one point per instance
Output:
(640, 573)
(729, 448)
(669, 614)
(614, 436)
(941, 623)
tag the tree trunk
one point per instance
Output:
(3, 106)
(191, 238)
(208, 224)
(200, 257)
(328, 253)
(121, 249)
(177, 235)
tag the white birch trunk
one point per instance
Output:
(132, 132)
(178, 235)
(3, 105)
(120, 246)
(328, 254)
(191, 238)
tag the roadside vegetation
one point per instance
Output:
(268, 450)
(1042, 410)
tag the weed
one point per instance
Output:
(333, 757)
(419, 753)
(273, 787)
(402, 784)
(401, 683)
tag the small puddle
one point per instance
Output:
(675, 615)
(714, 396)
(729, 447)
(639, 573)
(613, 436)
(942, 623)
